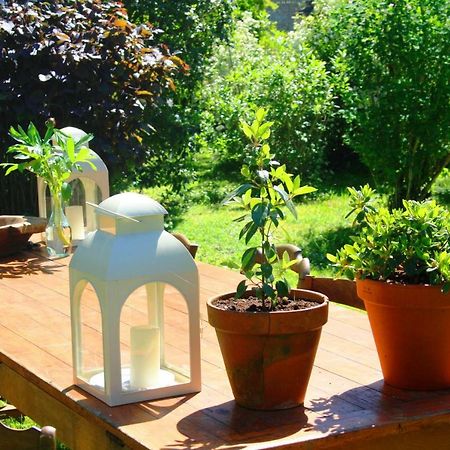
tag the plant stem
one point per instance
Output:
(57, 211)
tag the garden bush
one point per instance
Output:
(191, 28)
(390, 60)
(252, 72)
(441, 188)
(86, 65)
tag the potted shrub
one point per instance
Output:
(53, 158)
(268, 333)
(401, 262)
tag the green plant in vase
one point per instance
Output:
(53, 158)
(268, 189)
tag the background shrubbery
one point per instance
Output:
(252, 72)
(85, 64)
(390, 63)
(362, 80)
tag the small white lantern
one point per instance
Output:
(88, 185)
(131, 252)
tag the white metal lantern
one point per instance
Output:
(88, 185)
(142, 358)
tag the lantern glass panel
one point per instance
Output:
(154, 339)
(91, 367)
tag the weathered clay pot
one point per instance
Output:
(411, 328)
(269, 355)
(16, 230)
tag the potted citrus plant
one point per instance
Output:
(53, 158)
(401, 262)
(268, 333)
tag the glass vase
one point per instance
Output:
(58, 233)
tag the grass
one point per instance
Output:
(320, 228)
(23, 423)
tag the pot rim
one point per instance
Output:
(399, 285)
(324, 301)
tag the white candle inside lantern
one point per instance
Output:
(75, 217)
(145, 356)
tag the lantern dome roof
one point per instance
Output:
(131, 204)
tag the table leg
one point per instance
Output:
(74, 430)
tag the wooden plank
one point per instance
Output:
(347, 405)
(76, 431)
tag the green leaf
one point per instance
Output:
(70, 147)
(248, 258)
(260, 213)
(49, 132)
(84, 154)
(247, 130)
(240, 289)
(245, 171)
(251, 232)
(288, 182)
(266, 270)
(240, 218)
(266, 135)
(290, 205)
(83, 141)
(11, 168)
(304, 190)
(331, 258)
(260, 114)
(237, 192)
(33, 134)
(245, 228)
(282, 193)
(268, 291)
(282, 288)
(66, 192)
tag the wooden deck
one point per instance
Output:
(348, 406)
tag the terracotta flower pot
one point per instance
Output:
(269, 356)
(411, 328)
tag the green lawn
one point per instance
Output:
(320, 228)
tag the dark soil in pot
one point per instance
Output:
(253, 304)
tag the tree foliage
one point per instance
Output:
(391, 61)
(85, 64)
(253, 72)
(191, 27)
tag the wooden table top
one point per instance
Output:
(347, 401)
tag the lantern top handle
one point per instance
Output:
(130, 205)
(111, 213)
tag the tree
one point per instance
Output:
(391, 59)
(86, 65)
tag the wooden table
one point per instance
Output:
(348, 406)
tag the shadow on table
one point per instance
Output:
(17, 266)
(205, 429)
(367, 406)
(237, 426)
